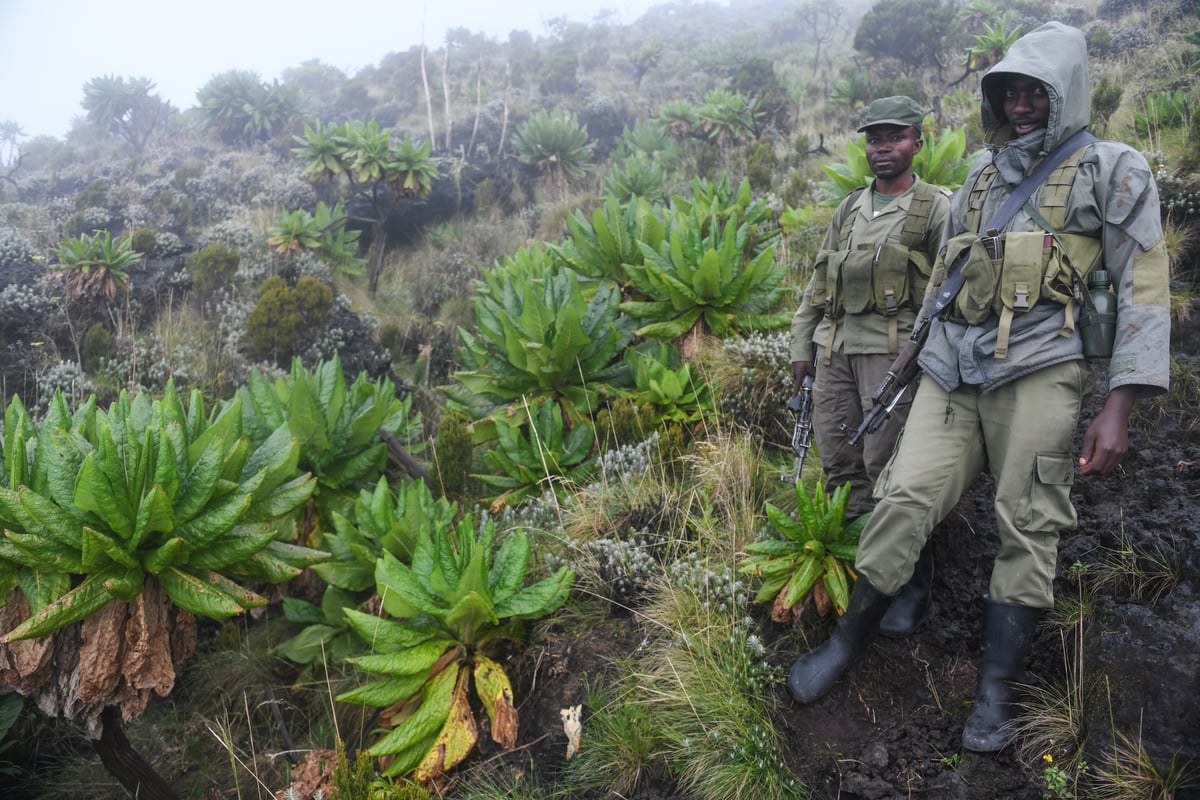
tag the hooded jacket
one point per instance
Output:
(1113, 198)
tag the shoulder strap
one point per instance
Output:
(919, 210)
(1033, 180)
(847, 224)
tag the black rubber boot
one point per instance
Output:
(814, 674)
(1007, 632)
(914, 604)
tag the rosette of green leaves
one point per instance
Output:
(381, 520)
(96, 266)
(543, 331)
(338, 246)
(40, 586)
(675, 393)
(717, 202)
(338, 426)
(538, 453)
(699, 278)
(458, 599)
(150, 489)
(293, 232)
(813, 550)
(612, 237)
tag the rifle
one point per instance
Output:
(899, 375)
(801, 407)
(902, 371)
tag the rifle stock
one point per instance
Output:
(899, 375)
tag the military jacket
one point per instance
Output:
(1112, 198)
(867, 332)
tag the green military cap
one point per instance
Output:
(898, 110)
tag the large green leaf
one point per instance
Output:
(87, 598)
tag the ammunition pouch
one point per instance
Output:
(879, 278)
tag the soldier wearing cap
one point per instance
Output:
(869, 280)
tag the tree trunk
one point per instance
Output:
(478, 106)
(375, 255)
(123, 762)
(504, 125)
(428, 99)
(446, 98)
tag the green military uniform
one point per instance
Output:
(1004, 376)
(1016, 411)
(856, 347)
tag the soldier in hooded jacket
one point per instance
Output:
(1005, 381)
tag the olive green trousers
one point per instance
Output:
(1021, 432)
(841, 395)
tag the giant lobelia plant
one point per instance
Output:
(702, 278)
(543, 331)
(810, 555)
(598, 247)
(381, 520)
(339, 427)
(453, 607)
(119, 526)
(538, 453)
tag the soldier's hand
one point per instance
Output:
(1107, 437)
(801, 369)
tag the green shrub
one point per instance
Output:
(625, 422)
(212, 267)
(286, 319)
(487, 197)
(189, 170)
(94, 195)
(1099, 40)
(1106, 98)
(452, 454)
(761, 164)
(98, 343)
(144, 240)
(391, 338)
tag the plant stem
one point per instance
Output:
(125, 764)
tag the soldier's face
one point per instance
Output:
(890, 150)
(1026, 104)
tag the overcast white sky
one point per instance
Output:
(50, 48)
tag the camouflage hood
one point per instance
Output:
(1056, 55)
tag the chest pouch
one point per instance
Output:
(820, 283)
(891, 279)
(849, 281)
(981, 274)
(1022, 271)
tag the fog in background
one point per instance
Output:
(50, 48)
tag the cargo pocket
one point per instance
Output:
(1046, 506)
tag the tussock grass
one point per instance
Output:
(1129, 773)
